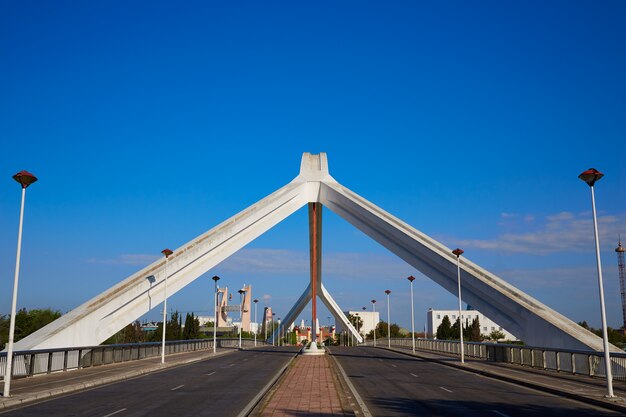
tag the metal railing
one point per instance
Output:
(576, 362)
(45, 361)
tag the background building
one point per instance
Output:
(435, 317)
(369, 318)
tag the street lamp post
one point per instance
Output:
(167, 254)
(241, 298)
(411, 279)
(458, 252)
(215, 306)
(265, 323)
(273, 337)
(356, 320)
(279, 330)
(374, 319)
(363, 322)
(590, 176)
(25, 178)
(388, 320)
(256, 330)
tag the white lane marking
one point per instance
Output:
(395, 366)
(175, 388)
(380, 360)
(210, 373)
(245, 359)
(115, 412)
(414, 375)
(445, 389)
(499, 413)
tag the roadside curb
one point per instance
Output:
(17, 400)
(360, 408)
(601, 402)
(255, 407)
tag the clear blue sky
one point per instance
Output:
(150, 122)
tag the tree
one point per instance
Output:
(616, 336)
(475, 331)
(26, 322)
(172, 329)
(496, 335)
(191, 330)
(356, 321)
(132, 333)
(444, 331)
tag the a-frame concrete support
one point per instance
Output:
(316, 289)
(521, 314)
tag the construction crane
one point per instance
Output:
(622, 277)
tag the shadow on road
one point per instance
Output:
(409, 407)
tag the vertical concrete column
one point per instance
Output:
(315, 244)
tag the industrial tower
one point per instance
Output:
(622, 277)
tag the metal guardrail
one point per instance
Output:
(576, 362)
(45, 361)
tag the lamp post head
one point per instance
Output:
(590, 176)
(25, 178)
(373, 301)
(363, 308)
(411, 278)
(458, 252)
(215, 278)
(387, 292)
(255, 301)
(167, 252)
(241, 291)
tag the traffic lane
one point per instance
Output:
(215, 387)
(392, 384)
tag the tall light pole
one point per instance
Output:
(265, 322)
(458, 252)
(25, 178)
(363, 322)
(273, 338)
(279, 330)
(590, 176)
(241, 298)
(215, 306)
(374, 319)
(388, 320)
(256, 330)
(167, 254)
(411, 279)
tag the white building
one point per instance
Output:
(369, 318)
(435, 317)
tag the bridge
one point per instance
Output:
(99, 318)
(369, 375)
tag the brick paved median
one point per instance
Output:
(308, 389)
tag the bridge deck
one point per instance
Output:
(371, 371)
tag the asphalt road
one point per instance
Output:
(392, 384)
(220, 386)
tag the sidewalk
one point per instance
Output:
(578, 387)
(25, 390)
(309, 388)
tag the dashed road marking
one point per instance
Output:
(445, 389)
(175, 388)
(499, 413)
(414, 375)
(395, 366)
(115, 412)
(210, 373)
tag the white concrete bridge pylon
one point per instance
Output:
(99, 318)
